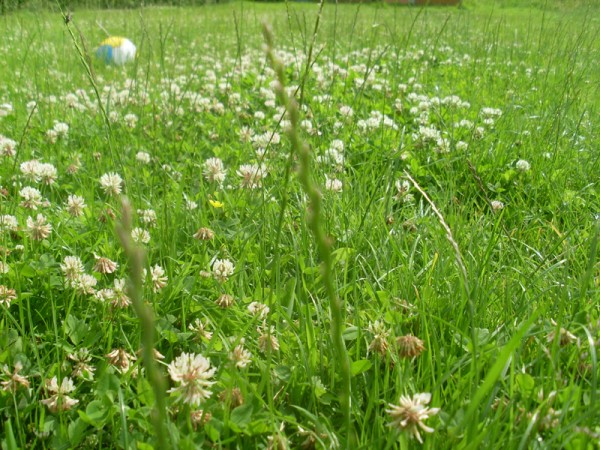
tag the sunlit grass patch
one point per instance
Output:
(455, 157)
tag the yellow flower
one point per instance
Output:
(216, 203)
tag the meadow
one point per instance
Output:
(364, 226)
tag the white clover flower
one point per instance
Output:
(7, 295)
(111, 183)
(82, 368)
(452, 100)
(523, 165)
(31, 170)
(462, 146)
(201, 329)
(241, 357)
(32, 197)
(402, 191)
(346, 111)
(443, 145)
(158, 277)
(105, 295)
(479, 132)
(47, 172)
(191, 205)
(307, 126)
(491, 112)
(59, 400)
(411, 414)
(337, 144)
(333, 184)
(75, 205)
(497, 205)
(121, 300)
(140, 236)
(5, 109)
(72, 267)
(143, 157)
(147, 216)
(130, 120)
(71, 100)
(39, 228)
(84, 284)
(252, 175)
(61, 129)
(258, 309)
(265, 139)
(427, 135)
(8, 223)
(335, 157)
(214, 170)
(222, 269)
(52, 136)
(246, 134)
(193, 373)
(7, 146)
(286, 125)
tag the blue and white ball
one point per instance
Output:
(116, 50)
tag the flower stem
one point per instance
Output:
(313, 220)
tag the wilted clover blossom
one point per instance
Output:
(104, 265)
(14, 380)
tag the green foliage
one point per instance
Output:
(492, 109)
(7, 6)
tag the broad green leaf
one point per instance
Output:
(360, 366)
(350, 333)
(525, 384)
(241, 415)
(76, 431)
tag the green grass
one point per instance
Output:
(506, 303)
